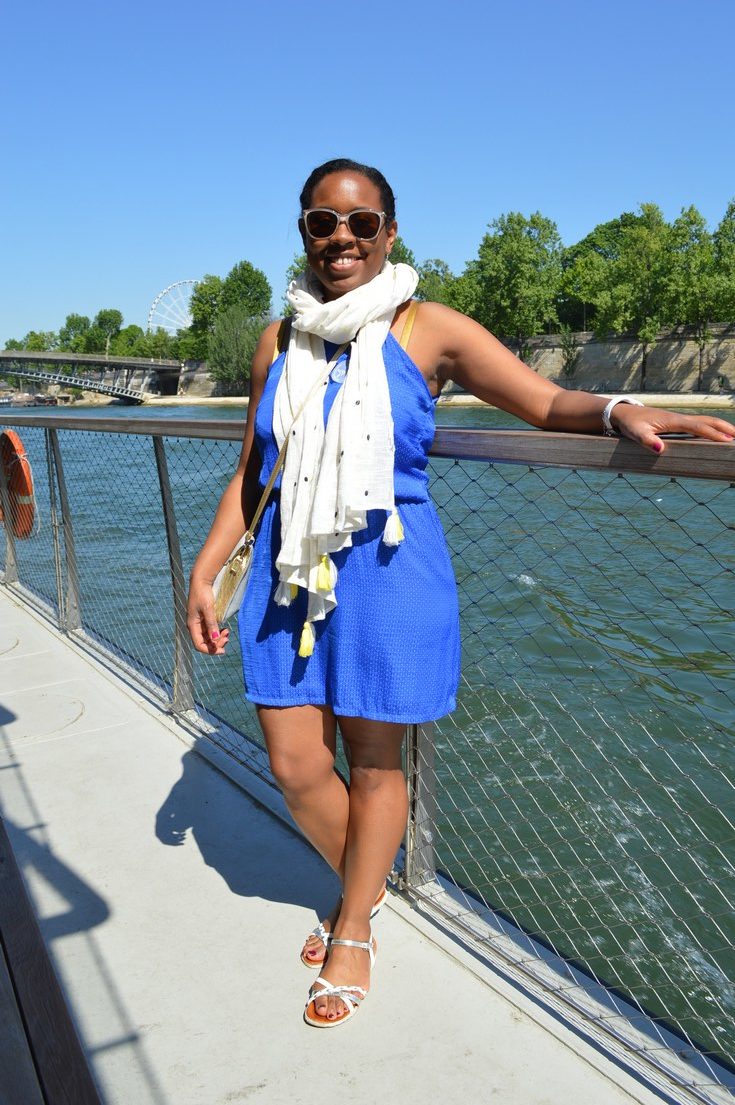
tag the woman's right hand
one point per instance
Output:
(206, 635)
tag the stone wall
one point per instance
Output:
(615, 365)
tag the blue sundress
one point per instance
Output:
(390, 649)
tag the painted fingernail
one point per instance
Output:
(215, 634)
(657, 446)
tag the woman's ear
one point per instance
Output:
(302, 232)
(391, 233)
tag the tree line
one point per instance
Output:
(636, 275)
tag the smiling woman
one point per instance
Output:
(350, 619)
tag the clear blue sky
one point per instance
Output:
(150, 142)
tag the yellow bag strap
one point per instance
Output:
(408, 324)
(281, 338)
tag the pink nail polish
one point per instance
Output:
(657, 446)
(215, 635)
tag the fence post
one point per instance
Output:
(11, 561)
(72, 607)
(422, 808)
(55, 525)
(183, 674)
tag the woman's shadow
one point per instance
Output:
(253, 851)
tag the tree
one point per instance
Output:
(724, 251)
(95, 340)
(13, 343)
(205, 302)
(633, 295)
(39, 341)
(231, 347)
(109, 321)
(519, 271)
(126, 343)
(71, 334)
(435, 280)
(692, 284)
(297, 266)
(246, 287)
(401, 254)
(583, 269)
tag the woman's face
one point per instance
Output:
(344, 262)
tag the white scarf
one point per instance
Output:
(332, 477)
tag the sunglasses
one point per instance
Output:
(322, 222)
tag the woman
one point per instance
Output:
(350, 617)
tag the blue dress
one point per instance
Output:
(390, 649)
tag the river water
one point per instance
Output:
(585, 782)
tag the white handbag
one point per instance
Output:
(232, 579)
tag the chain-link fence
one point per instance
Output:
(574, 817)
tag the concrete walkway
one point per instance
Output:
(174, 908)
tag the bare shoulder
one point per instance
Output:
(442, 336)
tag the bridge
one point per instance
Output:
(32, 365)
(132, 395)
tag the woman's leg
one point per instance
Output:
(301, 743)
(378, 810)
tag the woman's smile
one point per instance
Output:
(344, 262)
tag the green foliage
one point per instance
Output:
(205, 302)
(231, 347)
(127, 342)
(518, 273)
(401, 254)
(13, 343)
(297, 266)
(570, 352)
(38, 341)
(71, 334)
(109, 321)
(435, 280)
(724, 250)
(248, 288)
(192, 345)
(633, 294)
(94, 341)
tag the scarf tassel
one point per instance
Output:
(285, 593)
(326, 576)
(306, 644)
(393, 533)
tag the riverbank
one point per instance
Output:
(724, 401)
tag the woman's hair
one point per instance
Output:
(345, 165)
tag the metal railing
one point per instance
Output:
(573, 821)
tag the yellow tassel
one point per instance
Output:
(326, 575)
(285, 593)
(393, 533)
(306, 644)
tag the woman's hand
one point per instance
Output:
(205, 634)
(644, 424)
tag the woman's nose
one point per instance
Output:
(343, 232)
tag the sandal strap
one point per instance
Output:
(322, 934)
(366, 945)
(350, 995)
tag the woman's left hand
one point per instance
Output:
(644, 424)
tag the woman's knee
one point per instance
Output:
(296, 773)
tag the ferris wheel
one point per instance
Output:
(170, 310)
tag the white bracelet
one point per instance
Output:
(607, 426)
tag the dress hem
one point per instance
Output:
(346, 711)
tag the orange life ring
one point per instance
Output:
(19, 482)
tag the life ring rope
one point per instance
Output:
(25, 518)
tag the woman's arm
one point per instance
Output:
(467, 353)
(236, 508)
